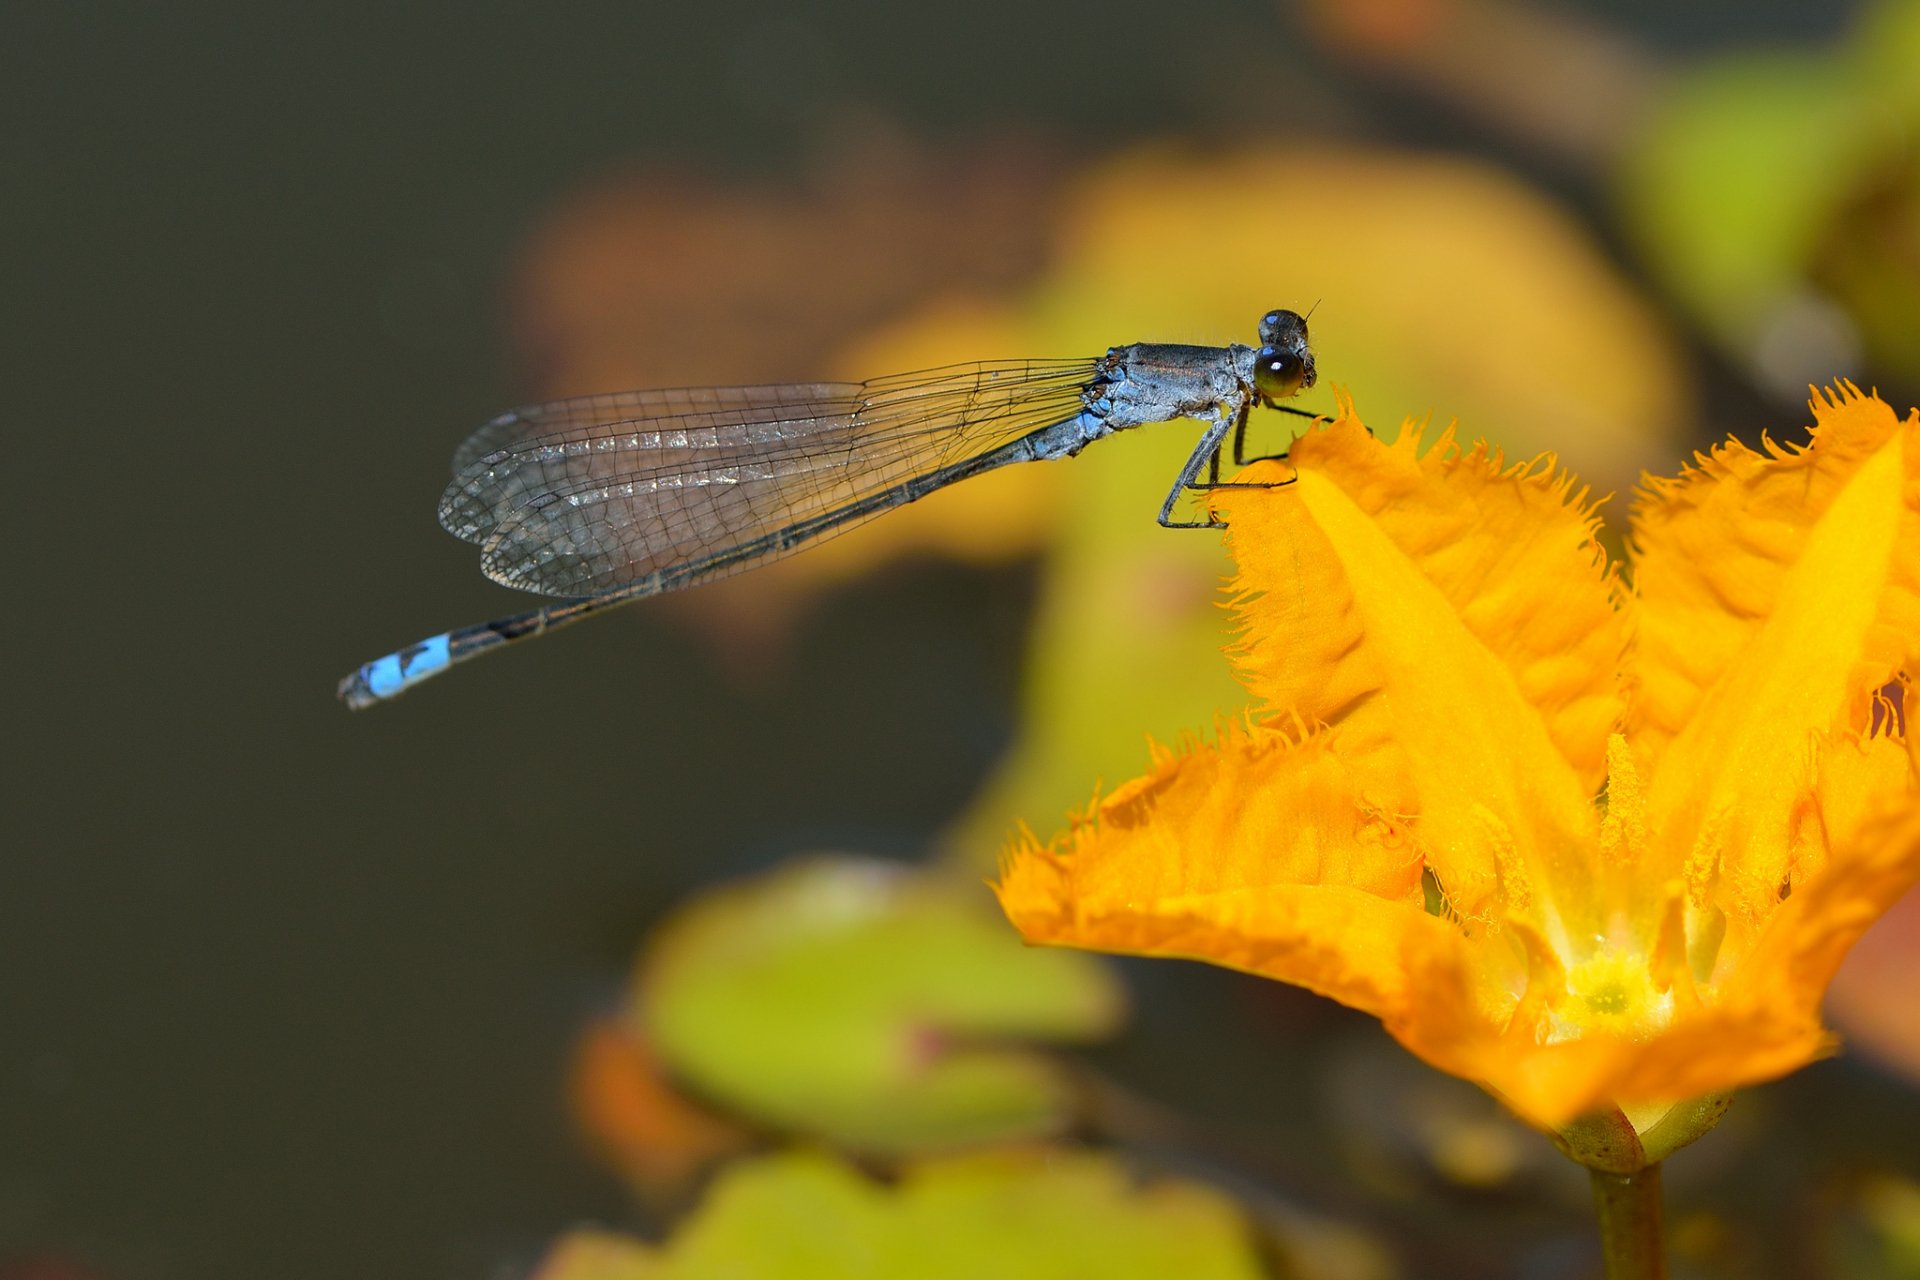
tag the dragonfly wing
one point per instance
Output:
(556, 419)
(603, 436)
(587, 506)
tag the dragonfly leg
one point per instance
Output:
(1206, 453)
(1240, 458)
(1213, 474)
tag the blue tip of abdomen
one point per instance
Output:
(394, 674)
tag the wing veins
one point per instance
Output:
(589, 533)
(960, 403)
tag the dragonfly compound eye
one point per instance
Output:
(1278, 372)
(1283, 329)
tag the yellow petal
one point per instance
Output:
(1777, 593)
(1806, 937)
(1454, 617)
(1259, 853)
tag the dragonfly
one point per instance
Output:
(605, 499)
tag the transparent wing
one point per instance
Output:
(532, 423)
(584, 496)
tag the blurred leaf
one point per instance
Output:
(1035, 1216)
(1731, 186)
(870, 1005)
(1778, 195)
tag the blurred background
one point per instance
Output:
(293, 992)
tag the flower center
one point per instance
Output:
(1611, 993)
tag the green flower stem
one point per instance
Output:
(1629, 1209)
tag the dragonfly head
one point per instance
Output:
(1283, 366)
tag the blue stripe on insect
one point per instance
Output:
(389, 675)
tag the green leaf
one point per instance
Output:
(1731, 186)
(1035, 1215)
(1769, 181)
(870, 1005)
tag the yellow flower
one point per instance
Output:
(1589, 845)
